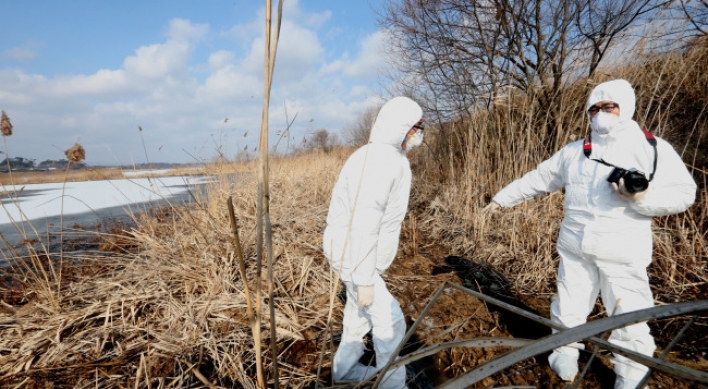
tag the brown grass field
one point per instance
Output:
(88, 174)
(162, 303)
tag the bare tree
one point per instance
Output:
(697, 13)
(601, 22)
(322, 140)
(357, 133)
(459, 56)
(439, 45)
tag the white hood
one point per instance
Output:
(394, 121)
(625, 145)
(618, 91)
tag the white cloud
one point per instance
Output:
(181, 29)
(67, 122)
(371, 59)
(243, 34)
(22, 54)
(317, 20)
(333, 67)
(299, 51)
(182, 89)
(229, 82)
(102, 82)
(18, 88)
(158, 60)
(293, 13)
(170, 58)
(220, 59)
(360, 92)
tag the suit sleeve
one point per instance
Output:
(672, 190)
(547, 177)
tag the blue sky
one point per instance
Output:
(189, 73)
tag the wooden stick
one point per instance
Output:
(255, 325)
(263, 207)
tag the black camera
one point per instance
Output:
(634, 181)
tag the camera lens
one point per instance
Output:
(635, 182)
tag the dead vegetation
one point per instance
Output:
(95, 174)
(173, 313)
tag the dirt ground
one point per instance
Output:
(456, 315)
(416, 276)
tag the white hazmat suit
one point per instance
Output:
(369, 202)
(605, 241)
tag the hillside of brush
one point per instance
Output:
(493, 147)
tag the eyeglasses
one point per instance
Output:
(419, 127)
(609, 107)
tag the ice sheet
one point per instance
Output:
(41, 201)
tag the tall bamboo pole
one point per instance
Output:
(263, 222)
(255, 325)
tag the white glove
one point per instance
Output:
(365, 294)
(492, 207)
(626, 195)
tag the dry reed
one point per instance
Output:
(5, 125)
(498, 147)
(175, 313)
(99, 173)
(75, 153)
(176, 310)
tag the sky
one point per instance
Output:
(188, 73)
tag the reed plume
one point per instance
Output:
(75, 154)
(5, 125)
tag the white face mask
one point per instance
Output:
(414, 140)
(604, 122)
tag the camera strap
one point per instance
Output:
(587, 150)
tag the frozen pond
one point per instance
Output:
(40, 207)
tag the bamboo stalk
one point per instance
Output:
(263, 208)
(251, 317)
(61, 238)
(239, 254)
(269, 230)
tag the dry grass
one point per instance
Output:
(94, 174)
(175, 312)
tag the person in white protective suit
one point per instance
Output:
(605, 239)
(369, 202)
